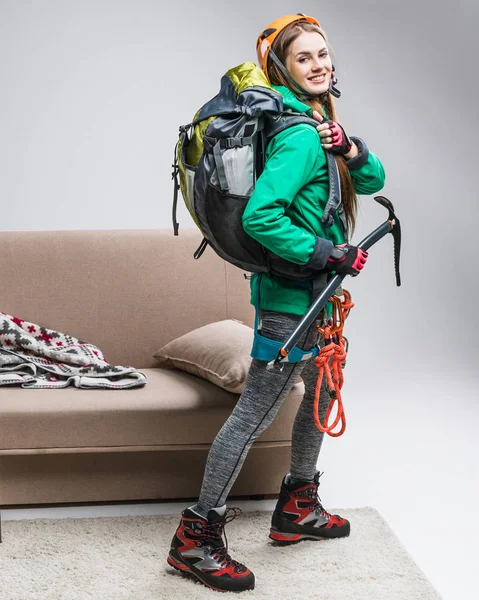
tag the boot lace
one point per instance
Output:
(316, 506)
(214, 533)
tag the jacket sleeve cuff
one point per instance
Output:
(320, 255)
(362, 158)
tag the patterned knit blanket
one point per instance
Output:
(35, 357)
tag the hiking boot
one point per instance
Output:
(299, 514)
(197, 549)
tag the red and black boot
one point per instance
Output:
(197, 549)
(299, 514)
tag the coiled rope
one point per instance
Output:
(331, 361)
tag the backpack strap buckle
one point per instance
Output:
(236, 142)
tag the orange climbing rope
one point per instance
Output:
(330, 362)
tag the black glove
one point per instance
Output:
(346, 260)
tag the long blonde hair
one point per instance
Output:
(280, 47)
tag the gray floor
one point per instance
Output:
(412, 454)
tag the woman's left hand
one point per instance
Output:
(333, 137)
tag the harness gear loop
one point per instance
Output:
(330, 362)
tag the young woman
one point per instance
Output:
(284, 214)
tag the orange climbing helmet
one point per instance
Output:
(267, 37)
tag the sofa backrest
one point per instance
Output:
(129, 292)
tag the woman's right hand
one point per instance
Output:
(333, 137)
(346, 260)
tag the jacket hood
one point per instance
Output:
(290, 101)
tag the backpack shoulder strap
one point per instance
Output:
(273, 126)
(284, 121)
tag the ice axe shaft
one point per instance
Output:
(393, 226)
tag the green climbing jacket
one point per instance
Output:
(285, 209)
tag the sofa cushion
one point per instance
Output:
(218, 352)
(174, 408)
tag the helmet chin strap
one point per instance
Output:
(305, 94)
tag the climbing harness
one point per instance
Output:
(267, 349)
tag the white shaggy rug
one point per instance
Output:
(124, 558)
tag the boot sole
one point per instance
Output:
(284, 538)
(175, 561)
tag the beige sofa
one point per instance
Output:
(129, 293)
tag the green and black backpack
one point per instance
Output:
(219, 157)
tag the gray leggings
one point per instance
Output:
(255, 410)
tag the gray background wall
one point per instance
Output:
(92, 96)
(93, 93)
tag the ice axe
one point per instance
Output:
(393, 226)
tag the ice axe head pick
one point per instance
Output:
(396, 232)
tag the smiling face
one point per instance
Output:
(309, 63)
